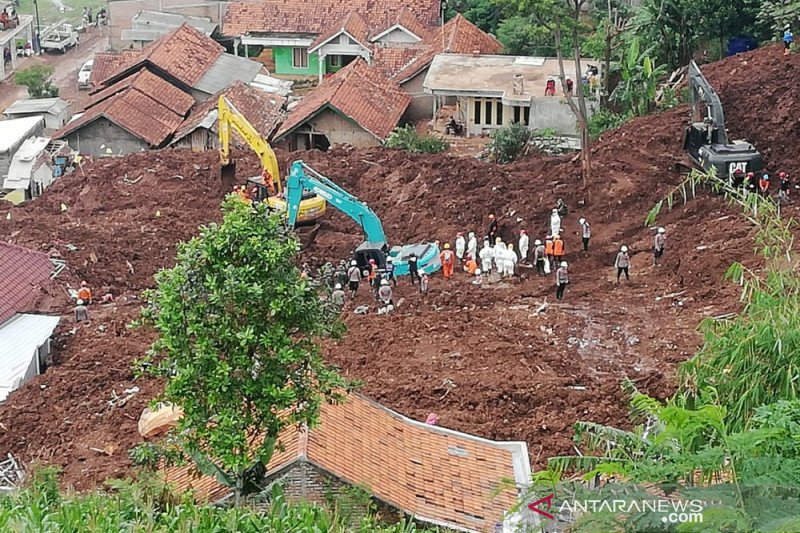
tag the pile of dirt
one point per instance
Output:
(492, 360)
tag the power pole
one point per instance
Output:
(38, 40)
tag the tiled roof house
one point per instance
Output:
(358, 106)
(318, 37)
(434, 474)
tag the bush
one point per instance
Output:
(509, 142)
(37, 79)
(408, 139)
(603, 120)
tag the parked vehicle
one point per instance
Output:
(84, 74)
(61, 38)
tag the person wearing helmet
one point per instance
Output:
(470, 266)
(555, 222)
(337, 296)
(372, 276)
(472, 246)
(491, 231)
(423, 283)
(353, 278)
(85, 293)
(562, 278)
(510, 261)
(750, 183)
(763, 184)
(385, 293)
(487, 256)
(788, 39)
(388, 271)
(524, 244)
(499, 255)
(448, 259)
(341, 273)
(478, 277)
(558, 249)
(539, 256)
(81, 312)
(659, 245)
(622, 263)
(413, 269)
(586, 233)
(548, 250)
(461, 247)
(783, 191)
(737, 178)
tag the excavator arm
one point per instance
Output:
(229, 118)
(301, 176)
(701, 91)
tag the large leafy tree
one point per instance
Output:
(238, 328)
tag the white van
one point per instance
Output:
(84, 74)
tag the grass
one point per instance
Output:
(49, 12)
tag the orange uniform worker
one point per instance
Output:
(85, 293)
(558, 248)
(448, 259)
(548, 248)
(470, 266)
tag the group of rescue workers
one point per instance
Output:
(761, 184)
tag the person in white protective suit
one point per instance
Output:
(461, 246)
(472, 246)
(499, 254)
(486, 256)
(555, 223)
(511, 261)
(524, 244)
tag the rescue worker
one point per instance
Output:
(353, 278)
(461, 247)
(448, 259)
(659, 245)
(788, 39)
(81, 312)
(499, 255)
(472, 246)
(561, 207)
(548, 248)
(783, 192)
(763, 184)
(85, 293)
(523, 246)
(486, 256)
(737, 178)
(341, 273)
(539, 256)
(750, 183)
(478, 277)
(622, 263)
(510, 262)
(337, 296)
(372, 276)
(389, 271)
(470, 266)
(558, 248)
(423, 283)
(385, 294)
(586, 233)
(555, 223)
(562, 278)
(491, 231)
(412, 268)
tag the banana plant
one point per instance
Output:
(636, 91)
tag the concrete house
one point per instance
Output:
(433, 474)
(149, 26)
(495, 91)
(314, 38)
(358, 106)
(24, 338)
(30, 172)
(263, 110)
(53, 110)
(12, 134)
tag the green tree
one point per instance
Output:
(509, 142)
(407, 138)
(636, 92)
(37, 79)
(237, 327)
(485, 14)
(520, 37)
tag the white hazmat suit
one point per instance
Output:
(524, 244)
(461, 245)
(486, 255)
(472, 246)
(555, 223)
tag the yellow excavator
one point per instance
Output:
(268, 186)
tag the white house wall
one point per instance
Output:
(396, 36)
(421, 107)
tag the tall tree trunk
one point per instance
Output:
(610, 28)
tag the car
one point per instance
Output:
(84, 74)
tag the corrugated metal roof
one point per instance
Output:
(152, 20)
(23, 163)
(54, 106)
(20, 336)
(143, 35)
(11, 131)
(226, 70)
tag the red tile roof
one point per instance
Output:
(359, 92)
(407, 20)
(392, 59)
(24, 272)
(105, 64)
(185, 54)
(437, 475)
(138, 108)
(457, 36)
(262, 109)
(352, 23)
(313, 17)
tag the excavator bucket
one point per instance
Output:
(228, 173)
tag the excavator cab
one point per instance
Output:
(371, 250)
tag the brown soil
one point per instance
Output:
(481, 358)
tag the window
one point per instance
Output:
(335, 61)
(517, 113)
(300, 57)
(488, 107)
(499, 114)
(526, 115)
(476, 116)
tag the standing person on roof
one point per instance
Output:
(486, 256)
(562, 278)
(586, 233)
(659, 245)
(472, 246)
(524, 244)
(622, 263)
(788, 39)
(413, 272)
(448, 259)
(555, 222)
(491, 231)
(558, 248)
(539, 256)
(353, 278)
(461, 247)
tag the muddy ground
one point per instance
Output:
(483, 358)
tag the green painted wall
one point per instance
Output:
(283, 63)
